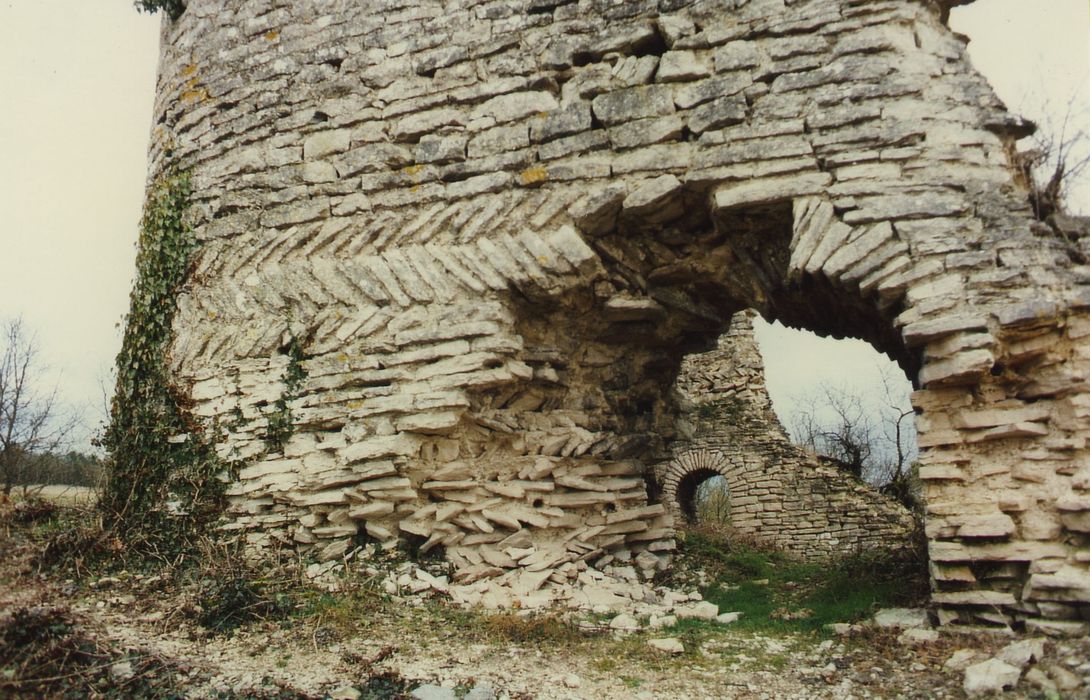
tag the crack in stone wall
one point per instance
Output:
(494, 229)
(779, 493)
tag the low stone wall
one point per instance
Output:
(779, 493)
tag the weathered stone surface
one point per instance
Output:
(569, 120)
(989, 677)
(902, 618)
(700, 611)
(650, 198)
(669, 645)
(961, 659)
(324, 143)
(438, 226)
(676, 66)
(1021, 653)
(917, 637)
(624, 623)
(720, 112)
(634, 103)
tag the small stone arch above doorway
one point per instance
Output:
(684, 476)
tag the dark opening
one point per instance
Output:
(702, 497)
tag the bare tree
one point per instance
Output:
(1059, 157)
(31, 424)
(712, 501)
(870, 435)
(836, 424)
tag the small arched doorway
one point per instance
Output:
(689, 477)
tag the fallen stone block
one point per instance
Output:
(699, 611)
(669, 645)
(902, 618)
(990, 676)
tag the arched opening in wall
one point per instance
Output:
(704, 499)
(845, 401)
(677, 270)
(668, 277)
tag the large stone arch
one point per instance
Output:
(494, 229)
(780, 494)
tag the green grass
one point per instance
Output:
(767, 587)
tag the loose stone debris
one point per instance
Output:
(669, 645)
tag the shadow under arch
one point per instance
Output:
(675, 271)
(670, 275)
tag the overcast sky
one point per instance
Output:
(77, 79)
(78, 76)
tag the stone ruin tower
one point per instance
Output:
(455, 252)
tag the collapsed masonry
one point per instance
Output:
(460, 249)
(778, 493)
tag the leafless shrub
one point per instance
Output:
(1058, 158)
(870, 436)
(32, 423)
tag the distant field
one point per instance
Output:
(61, 493)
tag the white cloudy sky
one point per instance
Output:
(77, 79)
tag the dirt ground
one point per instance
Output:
(146, 641)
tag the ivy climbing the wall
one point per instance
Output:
(174, 8)
(281, 424)
(163, 488)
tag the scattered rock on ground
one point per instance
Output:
(670, 645)
(990, 676)
(915, 636)
(624, 623)
(1022, 652)
(701, 611)
(902, 618)
(961, 659)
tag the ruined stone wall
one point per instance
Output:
(778, 492)
(452, 254)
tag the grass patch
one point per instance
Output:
(385, 686)
(532, 629)
(775, 593)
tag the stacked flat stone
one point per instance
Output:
(778, 493)
(494, 229)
